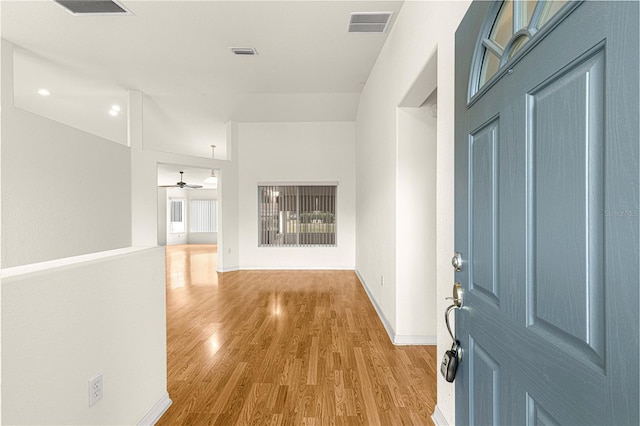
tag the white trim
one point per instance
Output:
(390, 331)
(231, 269)
(438, 418)
(152, 417)
(65, 262)
(405, 339)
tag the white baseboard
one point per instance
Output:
(233, 268)
(396, 339)
(152, 417)
(438, 418)
(390, 331)
(404, 339)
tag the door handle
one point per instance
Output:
(457, 304)
(452, 357)
(457, 295)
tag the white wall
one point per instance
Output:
(64, 324)
(162, 216)
(296, 152)
(64, 192)
(416, 225)
(2, 88)
(228, 199)
(421, 29)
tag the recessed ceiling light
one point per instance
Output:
(43, 92)
(115, 110)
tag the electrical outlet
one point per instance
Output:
(381, 280)
(96, 389)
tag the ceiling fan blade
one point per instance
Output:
(181, 184)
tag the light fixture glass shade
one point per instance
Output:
(212, 178)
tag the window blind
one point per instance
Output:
(176, 211)
(176, 216)
(297, 215)
(203, 216)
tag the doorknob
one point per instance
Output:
(456, 262)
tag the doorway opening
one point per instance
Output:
(188, 207)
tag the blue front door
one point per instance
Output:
(547, 213)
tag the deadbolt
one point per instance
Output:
(456, 262)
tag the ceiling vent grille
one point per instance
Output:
(243, 51)
(369, 22)
(93, 7)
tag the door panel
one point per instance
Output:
(565, 300)
(547, 203)
(484, 199)
(537, 415)
(485, 386)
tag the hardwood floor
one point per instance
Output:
(285, 348)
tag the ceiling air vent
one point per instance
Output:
(93, 7)
(369, 22)
(243, 51)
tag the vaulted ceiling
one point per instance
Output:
(308, 67)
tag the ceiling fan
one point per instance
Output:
(181, 184)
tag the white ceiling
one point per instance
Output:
(309, 68)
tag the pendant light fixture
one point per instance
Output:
(212, 178)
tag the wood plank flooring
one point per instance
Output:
(285, 348)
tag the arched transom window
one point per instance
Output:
(509, 27)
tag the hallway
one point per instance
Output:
(284, 348)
